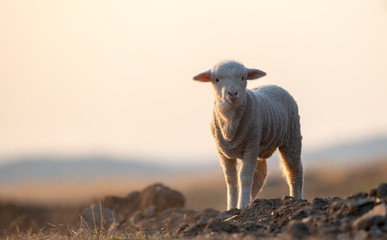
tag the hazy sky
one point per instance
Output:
(115, 77)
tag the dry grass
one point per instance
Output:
(84, 231)
(65, 233)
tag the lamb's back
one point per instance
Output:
(277, 112)
(275, 95)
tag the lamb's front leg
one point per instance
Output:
(231, 176)
(246, 172)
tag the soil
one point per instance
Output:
(362, 215)
(159, 211)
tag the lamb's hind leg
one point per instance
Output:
(259, 177)
(292, 167)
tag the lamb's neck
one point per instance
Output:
(228, 118)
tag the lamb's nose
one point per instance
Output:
(232, 93)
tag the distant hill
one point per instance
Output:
(89, 168)
(365, 150)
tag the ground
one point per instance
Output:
(156, 211)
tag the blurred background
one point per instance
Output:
(97, 97)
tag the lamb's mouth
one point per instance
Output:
(232, 100)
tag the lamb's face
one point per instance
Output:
(229, 82)
(228, 79)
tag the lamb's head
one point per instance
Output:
(228, 79)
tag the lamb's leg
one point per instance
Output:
(292, 167)
(259, 177)
(245, 180)
(230, 174)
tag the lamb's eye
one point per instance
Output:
(243, 78)
(216, 79)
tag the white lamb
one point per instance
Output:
(250, 125)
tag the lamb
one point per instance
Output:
(250, 125)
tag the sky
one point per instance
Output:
(115, 77)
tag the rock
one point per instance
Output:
(161, 197)
(204, 221)
(320, 203)
(152, 200)
(358, 195)
(234, 211)
(219, 226)
(373, 193)
(376, 232)
(210, 212)
(352, 207)
(150, 211)
(297, 230)
(229, 214)
(132, 200)
(382, 190)
(182, 226)
(287, 198)
(223, 215)
(345, 224)
(176, 216)
(136, 218)
(361, 202)
(124, 206)
(194, 230)
(375, 216)
(384, 227)
(300, 215)
(97, 216)
(175, 221)
(250, 226)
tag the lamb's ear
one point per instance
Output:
(203, 77)
(254, 73)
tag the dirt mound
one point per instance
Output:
(362, 215)
(149, 202)
(158, 211)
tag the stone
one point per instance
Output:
(124, 206)
(161, 197)
(175, 220)
(210, 212)
(219, 226)
(297, 230)
(203, 221)
(382, 190)
(150, 211)
(375, 216)
(359, 195)
(320, 203)
(300, 215)
(223, 216)
(373, 193)
(136, 218)
(182, 226)
(353, 207)
(250, 226)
